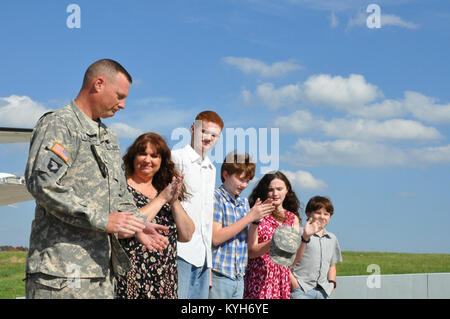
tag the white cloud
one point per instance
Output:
(304, 180)
(384, 109)
(421, 107)
(363, 154)
(125, 131)
(273, 98)
(432, 155)
(395, 129)
(352, 94)
(345, 153)
(20, 111)
(246, 97)
(297, 122)
(356, 96)
(248, 66)
(360, 20)
(339, 92)
(393, 20)
(425, 108)
(334, 21)
(357, 129)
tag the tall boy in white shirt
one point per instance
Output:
(194, 257)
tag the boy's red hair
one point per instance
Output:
(210, 116)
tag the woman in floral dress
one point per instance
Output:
(265, 279)
(157, 189)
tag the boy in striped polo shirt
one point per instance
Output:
(232, 216)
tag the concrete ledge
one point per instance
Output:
(402, 286)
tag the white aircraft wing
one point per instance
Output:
(15, 135)
(12, 188)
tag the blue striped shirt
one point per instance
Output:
(230, 258)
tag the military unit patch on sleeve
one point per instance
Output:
(59, 150)
(53, 166)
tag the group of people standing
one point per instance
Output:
(151, 224)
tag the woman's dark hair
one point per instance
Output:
(167, 170)
(291, 202)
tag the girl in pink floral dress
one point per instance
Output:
(265, 279)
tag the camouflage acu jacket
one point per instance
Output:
(74, 172)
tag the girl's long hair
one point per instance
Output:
(291, 202)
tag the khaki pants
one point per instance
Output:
(43, 286)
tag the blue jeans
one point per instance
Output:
(224, 287)
(316, 293)
(193, 282)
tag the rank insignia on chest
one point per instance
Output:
(59, 150)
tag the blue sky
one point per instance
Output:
(359, 114)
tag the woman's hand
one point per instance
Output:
(177, 185)
(172, 191)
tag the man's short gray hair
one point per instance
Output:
(105, 67)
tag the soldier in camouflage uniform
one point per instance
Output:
(74, 171)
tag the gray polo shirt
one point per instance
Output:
(320, 254)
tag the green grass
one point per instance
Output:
(12, 273)
(12, 267)
(356, 263)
